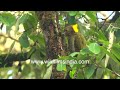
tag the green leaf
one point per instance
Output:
(72, 13)
(72, 73)
(99, 73)
(114, 66)
(80, 74)
(107, 74)
(26, 70)
(94, 47)
(24, 40)
(82, 12)
(101, 35)
(32, 50)
(8, 19)
(100, 56)
(89, 71)
(66, 58)
(74, 54)
(82, 57)
(84, 51)
(116, 52)
(48, 73)
(117, 34)
(110, 54)
(84, 54)
(29, 22)
(61, 67)
(36, 55)
(92, 15)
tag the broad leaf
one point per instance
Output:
(111, 55)
(92, 15)
(117, 34)
(74, 54)
(8, 19)
(26, 70)
(82, 12)
(99, 73)
(24, 40)
(100, 56)
(84, 51)
(116, 52)
(80, 74)
(72, 73)
(89, 71)
(94, 47)
(48, 73)
(72, 13)
(29, 22)
(61, 67)
(114, 66)
(101, 36)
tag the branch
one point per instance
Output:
(7, 36)
(105, 21)
(11, 58)
(115, 17)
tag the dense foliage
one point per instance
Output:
(21, 32)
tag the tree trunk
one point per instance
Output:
(49, 24)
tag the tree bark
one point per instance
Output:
(51, 32)
(49, 23)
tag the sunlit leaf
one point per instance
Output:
(106, 74)
(82, 12)
(61, 67)
(48, 73)
(92, 15)
(72, 73)
(74, 54)
(72, 13)
(94, 47)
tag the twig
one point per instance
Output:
(6, 36)
(105, 20)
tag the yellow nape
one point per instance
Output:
(75, 27)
